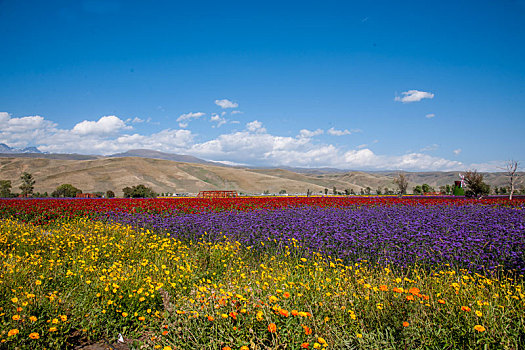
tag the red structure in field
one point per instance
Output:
(217, 194)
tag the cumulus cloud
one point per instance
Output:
(335, 132)
(105, 125)
(414, 96)
(183, 119)
(255, 126)
(308, 133)
(225, 103)
(457, 151)
(430, 115)
(218, 119)
(253, 145)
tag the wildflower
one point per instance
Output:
(307, 330)
(38, 282)
(359, 335)
(259, 316)
(479, 328)
(53, 329)
(244, 347)
(284, 312)
(414, 290)
(321, 340)
(233, 315)
(225, 316)
(34, 335)
(142, 318)
(16, 317)
(54, 321)
(479, 313)
(33, 318)
(410, 297)
(13, 332)
(125, 314)
(286, 294)
(441, 301)
(383, 288)
(165, 332)
(226, 348)
(14, 300)
(295, 312)
(166, 348)
(305, 345)
(63, 318)
(317, 346)
(465, 308)
(406, 324)
(210, 318)
(272, 328)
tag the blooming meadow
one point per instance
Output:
(263, 273)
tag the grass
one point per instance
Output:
(86, 281)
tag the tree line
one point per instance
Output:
(67, 190)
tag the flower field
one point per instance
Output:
(263, 273)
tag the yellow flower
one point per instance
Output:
(53, 329)
(125, 314)
(16, 317)
(12, 332)
(34, 335)
(38, 282)
(359, 335)
(33, 318)
(479, 328)
(142, 318)
(479, 313)
(14, 300)
(321, 340)
(63, 318)
(317, 346)
(166, 348)
(55, 321)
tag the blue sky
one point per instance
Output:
(352, 85)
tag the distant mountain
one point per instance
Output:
(148, 153)
(6, 149)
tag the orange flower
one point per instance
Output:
(465, 308)
(413, 290)
(284, 312)
(295, 312)
(397, 290)
(244, 347)
(441, 301)
(233, 315)
(406, 324)
(272, 328)
(16, 317)
(13, 332)
(226, 348)
(305, 345)
(34, 335)
(286, 294)
(383, 288)
(142, 318)
(410, 297)
(210, 318)
(165, 332)
(479, 328)
(307, 330)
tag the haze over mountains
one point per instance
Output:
(165, 172)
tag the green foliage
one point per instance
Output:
(282, 192)
(65, 190)
(5, 188)
(139, 191)
(426, 188)
(417, 190)
(379, 191)
(476, 187)
(458, 191)
(27, 185)
(110, 194)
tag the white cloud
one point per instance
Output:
(183, 119)
(236, 112)
(308, 133)
(432, 147)
(253, 145)
(218, 119)
(105, 125)
(430, 115)
(225, 103)
(335, 132)
(457, 151)
(255, 126)
(414, 96)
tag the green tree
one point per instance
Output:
(110, 194)
(334, 190)
(5, 188)
(476, 187)
(368, 190)
(27, 185)
(417, 190)
(66, 190)
(379, 191)
(326, 191)
(427, 188)
(139, 191)
(282, 192)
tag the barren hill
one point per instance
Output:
(100, 174)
